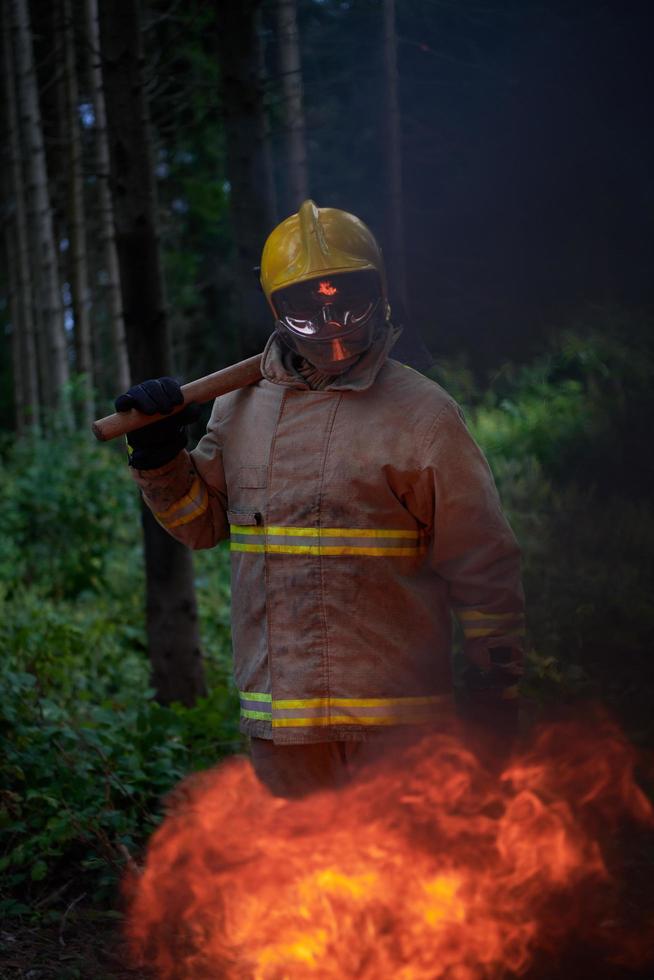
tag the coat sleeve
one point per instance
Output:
(473, 548)
(188, 496)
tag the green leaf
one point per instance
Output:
(39, 871)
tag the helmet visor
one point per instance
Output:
(328, 307)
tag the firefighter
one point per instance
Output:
(360, 514)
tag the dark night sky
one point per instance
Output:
(528, 156)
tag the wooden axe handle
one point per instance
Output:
(203, 390)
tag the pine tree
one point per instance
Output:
(290, 66)
(105, 214)
(26, 383)
(55, 353)
(79, 276)
(171, 608)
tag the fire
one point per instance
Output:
(432, 868)
(326, 289)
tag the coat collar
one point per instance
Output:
(277, 364)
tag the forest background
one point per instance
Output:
(501, 153)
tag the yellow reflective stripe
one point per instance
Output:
(186, 518)
(472, 614)
(414, 712)
(347, 720)
(321, 549)
(493, 631)
(197, 496)
(257, 715)
(324, 532)
(339, 532)
(189, 498)
(354, 702)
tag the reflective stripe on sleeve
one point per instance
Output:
(479, 623)
(321, 712)
(471, 634)
(183, 511)
(256, 706)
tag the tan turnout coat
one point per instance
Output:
(359, 518)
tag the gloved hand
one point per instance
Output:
(491, 730)
(491, 711)
(156, 444)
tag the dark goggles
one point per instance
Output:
(329, 307)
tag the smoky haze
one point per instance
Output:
(527, 156)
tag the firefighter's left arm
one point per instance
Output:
(473, 548)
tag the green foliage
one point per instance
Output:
(86, 754)
(565, 437)
(77, 787)
(66, 510)
(580, 410)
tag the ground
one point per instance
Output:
(86, 946)
(89, 947)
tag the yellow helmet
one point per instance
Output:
(316, 242)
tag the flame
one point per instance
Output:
(432, 868)
(326, 289)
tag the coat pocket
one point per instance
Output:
(252, 477)
(244, 518)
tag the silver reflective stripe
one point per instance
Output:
(255, 706)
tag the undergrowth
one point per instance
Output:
(86, 754)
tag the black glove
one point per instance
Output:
(156, 444)
(491, 709)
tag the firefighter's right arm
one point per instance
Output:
(186, 492)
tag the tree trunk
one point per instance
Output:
(20, 414)
(41, 212)
(247, 163)
(296, 183)
(105, 213)
(79, 276)
(172, 626)
(410, 349)
(395, 222)
(25, 364)
(268, 164)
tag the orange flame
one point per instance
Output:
(425, 870)
(326, 289)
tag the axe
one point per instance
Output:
(235, 376)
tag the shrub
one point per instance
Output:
(86, 754)
(565, 438)
(68, 507)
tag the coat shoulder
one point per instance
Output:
(408, 388)
(230, 404)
